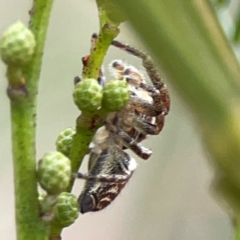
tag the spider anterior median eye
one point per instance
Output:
(118, 64)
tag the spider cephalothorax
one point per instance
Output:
(110, 167)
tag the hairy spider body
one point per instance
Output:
(110, 167)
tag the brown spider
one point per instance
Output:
(110, 167)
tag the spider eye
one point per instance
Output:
(87, 203)
(118, 64)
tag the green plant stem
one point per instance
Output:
(28, 223)
(88, 123)
(23, 117)
(102, 14)
(85, 130)
(107, 33)
(55, 233)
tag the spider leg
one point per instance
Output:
(151, 71)
(148, 128)
(145, 107)
(130, 143)
(127, 141)
(104, 178)
(92, 159)
(121, 167)
(134, 78)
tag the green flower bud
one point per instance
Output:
(54, 172)
(115, 95)
(66, 210)
(87, 95)
(17, 45)
(64, 141)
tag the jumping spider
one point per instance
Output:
(110, 167)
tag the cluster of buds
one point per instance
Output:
(89, 96)
(17, 48)
(54, 175)
(54, 169)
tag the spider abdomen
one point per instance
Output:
(106, 179)
(98, 200)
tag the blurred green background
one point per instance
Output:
(168, 196)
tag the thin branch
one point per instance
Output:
(23, 117)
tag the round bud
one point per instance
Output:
(87, 95)
(54, 172)
(115, 95)
(66, 210)
(64, 141)
(17, 45)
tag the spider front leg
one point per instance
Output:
(120, 136)
(151, 71)
(142, 94)
(130, 143)
(144, 106)
(146, 127)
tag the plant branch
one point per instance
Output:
(88, 123)
(23, 117)
(85, 130)
(107, 33)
